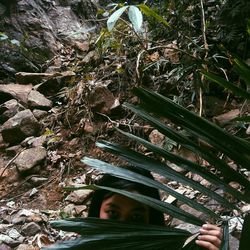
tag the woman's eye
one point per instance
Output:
(112, 214)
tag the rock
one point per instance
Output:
(4, 247)
(187, 154)
(14, 234)
(30, 158)
(171, 52)
(26, 77)
(49, 24)
(53, 85)
(101, 100)
(3, 144)
(31, 229)
(91, 57)
(37, 141)
(201, 180)
(78, 196)
(246, 208)
(26, 247)
(20, 126)
(233, 243)
(177, 168)
(156, 138)
(82, 46)
(21, 216)
(248, 130)
(39, 114)
(81, 210)
(16, 91)
(7, 240)
(12, 151)
(69, 210)
(37, 181)
(226, 117)
(9, 109)
(37, 100)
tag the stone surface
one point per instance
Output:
(37, 181)
(39, 114)
(20, 126)
(53, 85)
(16, 91)
(156, 138)
(31, 229)
(78, 196)
(49, 24)
(226, 117)
(27, 77)
(26, 247)
(4, 247)
(9, 109)
(37, 141)
(37, 100)
(12, 151)
(248, 130)
(30, 158)
(101, 100)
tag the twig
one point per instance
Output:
(123, 124)
(138, 63)
(203, 22)
(9, 163)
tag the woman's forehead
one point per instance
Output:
(119, 201)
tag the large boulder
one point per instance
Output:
(19, 127)
(30, 158)
(39, 101)
(17, 91)
(9, 109)
(37, 29)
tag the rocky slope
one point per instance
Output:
(50, 120)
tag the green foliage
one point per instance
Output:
(123, 236)
(151, 13)
(222, 142)
(214, 145)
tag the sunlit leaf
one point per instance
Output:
(114, 17)
(15, 42)
(3, 37)
(135, 16)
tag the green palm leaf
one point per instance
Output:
(228, 85)
(181, 162)
(191, 145)
(236, 149)
(152, 165)
(134, 177)
(101, 234)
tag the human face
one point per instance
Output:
(121, 208)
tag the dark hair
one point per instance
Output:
(155, 217)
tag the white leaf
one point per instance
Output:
(114, 17)
(15, 42)
(135, 16)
